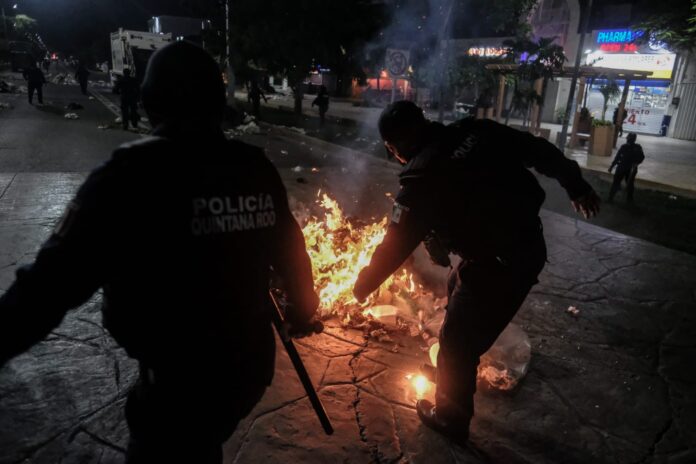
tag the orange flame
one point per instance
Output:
(339, 250)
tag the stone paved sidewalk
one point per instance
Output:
(615, 384)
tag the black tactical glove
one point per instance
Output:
(436, 250)
(305, 329)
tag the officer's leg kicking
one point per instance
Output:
(484, 296)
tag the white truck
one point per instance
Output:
(132, 49)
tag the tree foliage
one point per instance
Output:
(291, 36)
(610, 91)
(670, 21)
(538, 59)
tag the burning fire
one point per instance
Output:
(420, 384)
(339, 248)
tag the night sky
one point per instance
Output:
(82, 27)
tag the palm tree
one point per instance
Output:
(537, 60)
(610, 91)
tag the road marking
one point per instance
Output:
(111, 106)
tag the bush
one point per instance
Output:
(601, 123)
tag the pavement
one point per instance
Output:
(613, 384)
(670, 164)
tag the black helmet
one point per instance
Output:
(398, 119)
(183, 82)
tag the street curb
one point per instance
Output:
(645, 184)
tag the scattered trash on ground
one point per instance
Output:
(504, 365)
(63, 79)
(673, 197)
(283, 152)
(118, 120)
(297, 169)
(249, 128)
(573, 311)
(71, 116)
(299, 130)
(91, 97)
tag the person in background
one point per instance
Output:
(255, 95)
(322, 101)
(615, 119)
(129, 89)
(626, 161)
(35, 82)
(82, 76)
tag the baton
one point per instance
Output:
(297, 363)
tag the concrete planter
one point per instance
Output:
(602, 140)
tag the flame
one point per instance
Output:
(339, 250)
(420, 383)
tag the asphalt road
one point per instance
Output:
(40, 139)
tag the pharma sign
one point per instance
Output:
(620, 49)
(660, 64)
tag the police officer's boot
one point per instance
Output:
(458, 432)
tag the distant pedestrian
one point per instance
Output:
(322, 101)
(35, 82)
(615, 118)
(82, 76)
(129, 89)
(46, 65)
(627, 159)
(255, 96)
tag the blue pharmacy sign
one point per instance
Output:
(617, 36)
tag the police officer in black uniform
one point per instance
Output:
(181, 231)
(627, 159)
(129, 89)
(467, 189)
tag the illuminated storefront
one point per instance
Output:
(648, 100)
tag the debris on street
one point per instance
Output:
(71, 116)
(573, 311)
(249, 128)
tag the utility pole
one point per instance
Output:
(444, 60)
(4, 21)
(576, 74)
(228, 56)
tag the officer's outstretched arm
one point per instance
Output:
(65, 274)
(407, 229)
(545, 158)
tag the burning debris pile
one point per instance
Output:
(339, 247)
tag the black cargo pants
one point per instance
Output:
(178, 420)
(483, 297)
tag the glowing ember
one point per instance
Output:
(339, 249)
(433, 352)
(420, 383)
